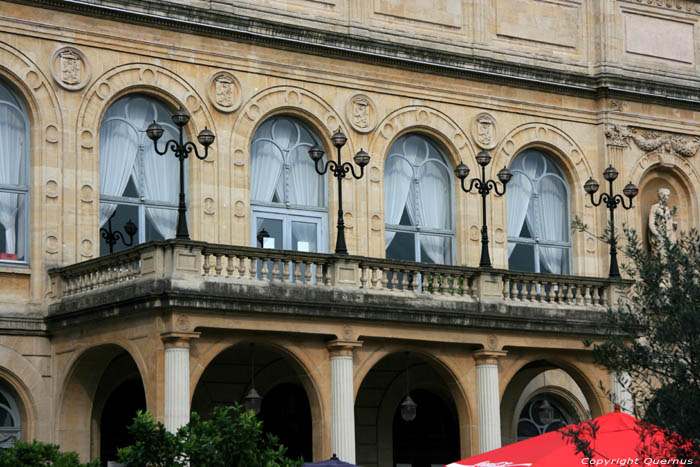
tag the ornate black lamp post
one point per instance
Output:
(182, 150)
(484, 186)
(339, 169)
(112, 237)
(611, 201)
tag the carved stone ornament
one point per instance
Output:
(225, 92)
(484, 131)
(617, 106)
(361, 113)
(653, 143)
(689, 6)
(70, 68)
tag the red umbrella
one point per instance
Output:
(620, 440)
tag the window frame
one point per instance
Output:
(536, 242)
(418, 229)
(22, 190)
(286, 211)
(16, 430)
(141, 203)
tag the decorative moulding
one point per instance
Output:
(361, 113)
(484, 131)
(70, 68)
(224, 92)
(653, 142)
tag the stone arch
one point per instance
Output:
(518, 376)
(576, 167)
(448, 372)
(105, 90)
(304, 368)
(77, 396)
(46, 147)
(322, 119)
(27, 387)
(448, 135)
(677, 174)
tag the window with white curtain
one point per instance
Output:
(9, 420)
(14, 178)
(539, 238)
(136, 184)
(288, 197)
(418, 202)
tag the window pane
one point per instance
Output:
(401, 246)
(13, 226)
(436, 249)
(522, 258)
(122, 215)
(304, 236)
(434, 192)
(274, 229)
(161, 224)
(554, 260)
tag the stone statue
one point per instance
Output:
(660, 219)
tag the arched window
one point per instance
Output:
(288, 197)
(539, 237)
(9, 419)
(418, 202)
(542, 414)
(136, 184)
(14, 178)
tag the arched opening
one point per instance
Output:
(285, 408)
(542, 397)
(384, 436)
(118, 414)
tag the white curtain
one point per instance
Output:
(552, 222)
(520, 192)
(266, 167)
(398, 176)
(119, 145)
(304, 183)
(435, 208)
(12, 158)
(162, 183)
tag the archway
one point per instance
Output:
(117, 415)
(285, 410)
(384, 437)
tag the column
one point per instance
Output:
(177, 378)
(488, 399)
(342, 399)
(619, 393)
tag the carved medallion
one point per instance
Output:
(70, 68)
(361, 113)
(484, 131)
(225, 92)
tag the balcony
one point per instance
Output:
(202, 277)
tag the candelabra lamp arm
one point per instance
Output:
(170, 144)
(189, 148)
(621, 200)
(474, 182)
(604, 197)
(349, 168)
(328, 165)
(494, 186)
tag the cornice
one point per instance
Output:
(199, 21)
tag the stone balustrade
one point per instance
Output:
(207, 262)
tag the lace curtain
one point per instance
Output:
(13, 157)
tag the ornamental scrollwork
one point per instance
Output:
(653, 142)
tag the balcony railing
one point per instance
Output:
(207, 262)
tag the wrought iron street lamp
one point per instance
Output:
(484, 187)
(112, 237)
(340, 170)
(182, 151)
(611, 201)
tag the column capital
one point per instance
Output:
(339, 347)
(178, 338)
(486, 357)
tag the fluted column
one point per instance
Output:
(177, 378)
(342, 399)
(488, 399)
(620, 395)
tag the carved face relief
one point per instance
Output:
(224, 91)
(70, 67)
(360, 112)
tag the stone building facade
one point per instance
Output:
(555, 90)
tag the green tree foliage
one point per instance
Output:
(36, 454)
(653, 336)
(232, 436)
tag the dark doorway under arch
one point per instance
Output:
(286, 414)
(118, 413)
(431, 438)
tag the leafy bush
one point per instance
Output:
(37, 454)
